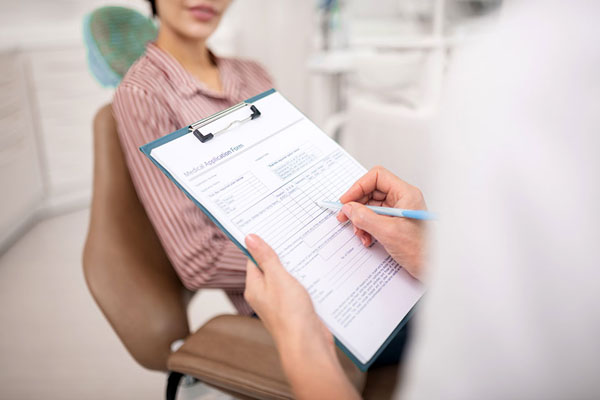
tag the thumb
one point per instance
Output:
(262, 253)
(366, 219)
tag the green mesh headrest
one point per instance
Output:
(115, 37)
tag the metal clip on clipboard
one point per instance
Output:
(195, 127)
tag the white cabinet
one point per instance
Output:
(66, 98)
(21, 183)
(48, 99)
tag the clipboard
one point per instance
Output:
(241, 114)
(194, 128)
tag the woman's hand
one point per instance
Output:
(304, 343)
(403, 238)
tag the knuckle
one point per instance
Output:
(378, 168)
(271, 262)
(418, 193)
(359, 217)
(418, 197)
(265, 258)
(272, 256)
(414, 197)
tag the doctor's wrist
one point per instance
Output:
(309, 336)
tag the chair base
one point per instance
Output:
(173, 384)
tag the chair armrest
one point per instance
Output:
(237, 354)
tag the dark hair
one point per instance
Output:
(153, 5)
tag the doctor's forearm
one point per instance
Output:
(313, 369)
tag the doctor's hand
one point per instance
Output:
(305, 345)
(280, 301)
(403, 238)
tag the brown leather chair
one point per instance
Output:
(135, 286)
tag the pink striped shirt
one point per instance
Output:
(158, 96)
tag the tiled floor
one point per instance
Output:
(54, 342)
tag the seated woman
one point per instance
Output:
(176, 82)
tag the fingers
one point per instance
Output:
(263, 254)
(254, 283)
(364, 237)
(266, 258)
(341, 217)
(378, 179)
(254, 276)
(366, 220)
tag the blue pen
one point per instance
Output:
(394, 212)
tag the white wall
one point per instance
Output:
(56, 97)
(276, 33)
(20, 173)
(47, 103)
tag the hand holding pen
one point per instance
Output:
(403, 238)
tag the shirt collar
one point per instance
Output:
(186, 85)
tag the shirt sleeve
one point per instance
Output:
(200, 253)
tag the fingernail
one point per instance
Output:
(347, 210)
(251, 240)
(355, 229)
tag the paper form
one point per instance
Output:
(265, 177)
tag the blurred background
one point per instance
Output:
(361, 70)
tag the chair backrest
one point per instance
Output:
(125, 266)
